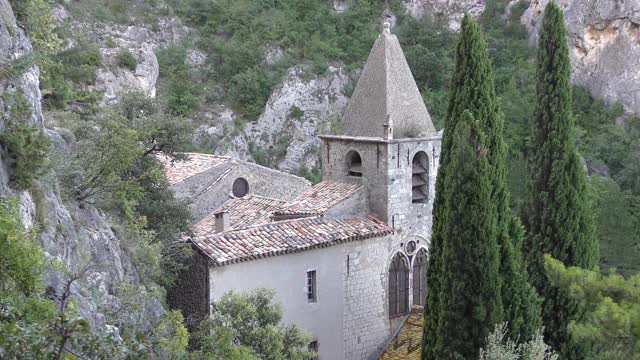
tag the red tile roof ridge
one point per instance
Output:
(283, 237)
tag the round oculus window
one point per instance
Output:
(410, 248)
(240, 187)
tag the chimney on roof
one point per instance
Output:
(223, 221)
(388, 128)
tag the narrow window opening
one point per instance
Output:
(354, 163)
(313, 348)
(398, 287)
(420, 278)
(420, 178)
(311, 286)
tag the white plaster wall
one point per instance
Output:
(287, 275)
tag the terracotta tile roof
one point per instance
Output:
(243, 212)
(285, 237)
(319, 198)
(180, 170)
(406, 343)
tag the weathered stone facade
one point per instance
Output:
(386, 175)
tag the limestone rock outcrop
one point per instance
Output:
(301, 107)
(141, 40)
(452, 11)
(72, 234)
(604, 45)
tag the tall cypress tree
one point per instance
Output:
(558, 216)
(473, 89)
(470, 303)
(471, 69)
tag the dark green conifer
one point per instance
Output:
(473, 89)
(470, 303)
(558, 216)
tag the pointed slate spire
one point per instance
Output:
(387, 88)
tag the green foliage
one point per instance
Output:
(184, 94)
(431, 59)
(272, 155)
(37, 19)
(80, 63)
(620, 234)
(22, 261)
(296, 113)
(127, 12)
(27, 146)
(609, 323)
(248, 326)
(115, 163)
(500, 347)
(314, 175)
(12, 70)
(250, 89)
(559, 218)
(70, 70)
(502, 293)
(126, 59)
(468, 309)
(238, 34)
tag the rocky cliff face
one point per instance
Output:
(604, 41)
(299, 109)
(451, 11)
(140, 40)
(70, 234)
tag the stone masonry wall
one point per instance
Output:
(405, 216)
(387, 178)
(367, 326)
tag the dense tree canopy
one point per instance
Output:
(609, 307)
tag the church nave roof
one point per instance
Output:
(286, 237)
(244, 212)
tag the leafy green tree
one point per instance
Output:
(609, 305)
(558, 217)
(116, 164)
(248, 326)
(39, 324)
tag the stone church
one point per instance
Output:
(347, 257)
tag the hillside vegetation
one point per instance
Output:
(103, 156)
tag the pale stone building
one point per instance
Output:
(346, 257)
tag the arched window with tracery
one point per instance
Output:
(420, 277)
(420, 178)
(398, 286)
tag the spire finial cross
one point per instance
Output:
(386, 27)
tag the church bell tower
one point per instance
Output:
(389, 143)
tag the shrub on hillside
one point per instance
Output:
(27, 146)
(126, 59)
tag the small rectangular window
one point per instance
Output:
(311, 286)
(313, 347)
